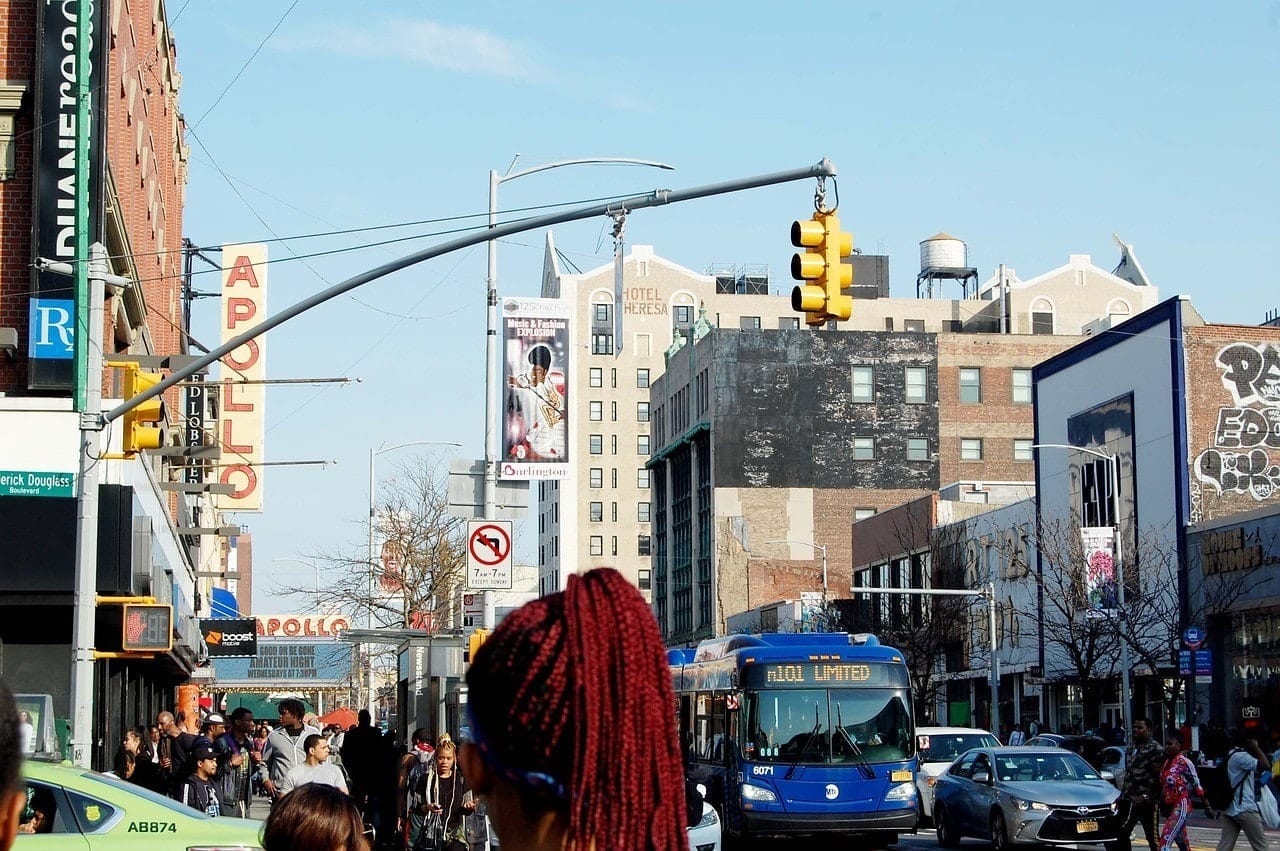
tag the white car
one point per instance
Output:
(705, 835)
(937, 748)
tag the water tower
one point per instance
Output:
(944, 258)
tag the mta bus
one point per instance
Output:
(800, 734)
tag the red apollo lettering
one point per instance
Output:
(242, 272)
(240, 309)
(243, 471)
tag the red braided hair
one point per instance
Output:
(572, 702)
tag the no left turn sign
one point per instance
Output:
(489, 555)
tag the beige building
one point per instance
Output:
(602, 513)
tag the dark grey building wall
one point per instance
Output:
(783, 413)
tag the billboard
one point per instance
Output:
(287, 664)
(303, 626)
(243, 431)
(230, 637)
(1100, 586)
(535, 371)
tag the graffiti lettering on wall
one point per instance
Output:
(1239, 462)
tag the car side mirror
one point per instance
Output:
(982, 777)
(1108, 776)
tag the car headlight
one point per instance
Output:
(901, 792)
(1030, 805)
(708, 818)
(1115, 806)
(757, 793)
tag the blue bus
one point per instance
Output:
(800, 734)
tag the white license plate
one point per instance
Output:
(1086, 827)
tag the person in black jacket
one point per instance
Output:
(133, 760)
(197, 790)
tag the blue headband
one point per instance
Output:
(535, 780)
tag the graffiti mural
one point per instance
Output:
(1240, 460)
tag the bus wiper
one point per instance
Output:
(867, 772)
(813, 734)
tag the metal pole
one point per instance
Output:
(371, 704)
(995, 663)
(490, 510)
(84, 112)
(84, 607)
(1126, 703)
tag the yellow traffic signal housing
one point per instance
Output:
(474, 641)
(144, 424)
(822, 262)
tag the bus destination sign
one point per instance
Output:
(826, 673)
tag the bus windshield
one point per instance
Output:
(825, 726)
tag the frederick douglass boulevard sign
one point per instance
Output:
(283, 664)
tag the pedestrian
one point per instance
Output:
(414, 767)
(133, 759)
(237, 762)
(314, 817)
(197, 790)
(13, 792)
(1033, 729)
(574, 737)
(316, 768)
(1016, 736)
(359, 750)
(185, 744)
(285, 747)
(447, 802)
(1178, 780)
(1244, 761)
(170, 755)
(1141, 785)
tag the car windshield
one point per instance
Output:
(152, 797)
(822, 726)
(945, 747)
(1022, 768)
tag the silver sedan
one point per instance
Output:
(1017, 796)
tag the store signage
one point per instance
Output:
(227, 637)
(303, 626)
(243, 431)
(28, 483)
(285, 664)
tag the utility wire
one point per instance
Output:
(243, 67)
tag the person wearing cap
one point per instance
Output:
(213, 726)
(197, 790)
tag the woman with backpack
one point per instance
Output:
(447, 801)
(1243, 764)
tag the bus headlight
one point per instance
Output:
(757, 793)
(901, 792)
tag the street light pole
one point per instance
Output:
(371, 703)
(1113, 467)
(491, 441)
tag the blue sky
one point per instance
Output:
(1031, 131)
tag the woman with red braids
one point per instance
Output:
(573, 724)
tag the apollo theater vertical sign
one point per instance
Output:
(242, 429)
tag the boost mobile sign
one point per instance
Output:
(230, 637)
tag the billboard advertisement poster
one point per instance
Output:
(535, 372)
(230, 637)
(1100, 588)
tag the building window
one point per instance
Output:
(789, 323)
(863, 383)
(864, 448)
(917, 449)
(970, 449)
(597, 545)
(602, 313)
(642, 479)
(595, 411)
(642, 445)
(601, 344)
(643, 546)
(749, 323)
(596, 376)
(597, 477)
(917, 385)
(1041, 322)
(683, 314)
(970, 384)
(613, 444)
(644, 580)
(613, 378)
(863, 513)
(1022, 449)
(614, 546)
(913, 325)
(614, 478)
(613, 411)
(1022, 387)
(642, 512)
(597, 444)
(597, 512)
(642, 378)
(642, 412)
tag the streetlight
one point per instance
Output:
(314, 567)
(373, 517)
(491, 338)
(1113, 465)
(819, 548)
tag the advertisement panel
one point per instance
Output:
(1100, 587)
(243, 431)
(230, 637)
(282, 665)
(535, 371)
(52, 306)
(303, 626)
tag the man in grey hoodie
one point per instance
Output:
(285, 746)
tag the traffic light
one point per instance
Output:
(822, 262)
(139, 431)
(474, 641)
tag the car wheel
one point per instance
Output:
(999, 832)
(948, 836)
